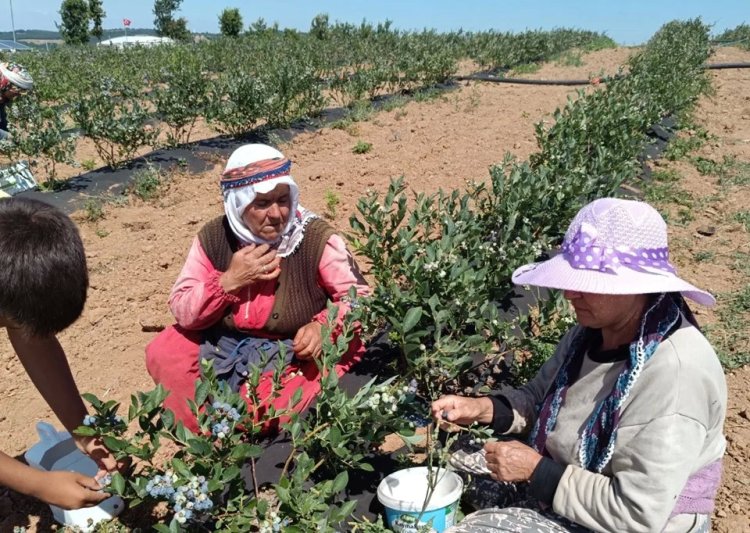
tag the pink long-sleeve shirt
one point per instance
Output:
(198, 300)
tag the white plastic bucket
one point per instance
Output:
(403, 494)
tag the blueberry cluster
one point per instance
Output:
(222, 415)
(189, 500)
(354, 303)
(389, 401)
(105, 480)
(274, 523)
(160, 486)
(93, 420)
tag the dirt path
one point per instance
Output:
(136, 251)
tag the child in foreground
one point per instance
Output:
(43, 284)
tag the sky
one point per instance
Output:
(626, 21)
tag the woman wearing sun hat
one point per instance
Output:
(14, 81)
(262, 272)
(624, 423)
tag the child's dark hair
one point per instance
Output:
(43, 274)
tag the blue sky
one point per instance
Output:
(626, 21)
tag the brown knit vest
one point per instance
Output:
(298, 295)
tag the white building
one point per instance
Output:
(136, 40)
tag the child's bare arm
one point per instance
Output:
(69, 490)
(46, 364)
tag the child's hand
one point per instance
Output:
(69, 490)
(94, 448)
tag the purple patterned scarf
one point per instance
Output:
(600, 431)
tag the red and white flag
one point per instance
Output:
(126, 22)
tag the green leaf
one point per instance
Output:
(181, 468)
(245, 451)
(347, 509)
(92, 399)
(296, 398)
(201, 392)
(412, 439)
(199, 447)
(133, 409)
(85, 431)
(161, 528)
(118, 483)
(334, 436)
(340, 482)
(181, 432)
(282, 493)
(113, 444)
(262, 507)
(412, 318)
(167, 418)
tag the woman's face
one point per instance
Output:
(267, 216)
(8, 91)
(606, 311)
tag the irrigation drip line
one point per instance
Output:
(521, 81)
(731, 42)
(713, 66)
(603, 79)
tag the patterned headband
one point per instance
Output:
(256, 172)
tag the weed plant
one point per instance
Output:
(362, 147)
(731, 336)
(147, 183)
(93, 210)
(332, 202)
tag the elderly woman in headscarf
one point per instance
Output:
(263, 272)
(624, 422)
(14, 81)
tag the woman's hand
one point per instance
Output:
(69, 490)
(511, 460)
(308, 342)
(461, 410)
(250, 264)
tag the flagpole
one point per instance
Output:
(12, 21)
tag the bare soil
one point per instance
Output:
(137, 249)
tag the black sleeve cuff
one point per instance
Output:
(545, 479)
(502, 414)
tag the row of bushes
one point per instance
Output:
(270, 78)
(443, 262)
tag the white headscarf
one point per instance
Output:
(237, 200)
(17, 75)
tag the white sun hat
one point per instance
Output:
(17, 75)
(613, 246)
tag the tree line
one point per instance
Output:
(82, 19)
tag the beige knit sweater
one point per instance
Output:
(671, 426)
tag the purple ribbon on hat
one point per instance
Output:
(584, 252)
